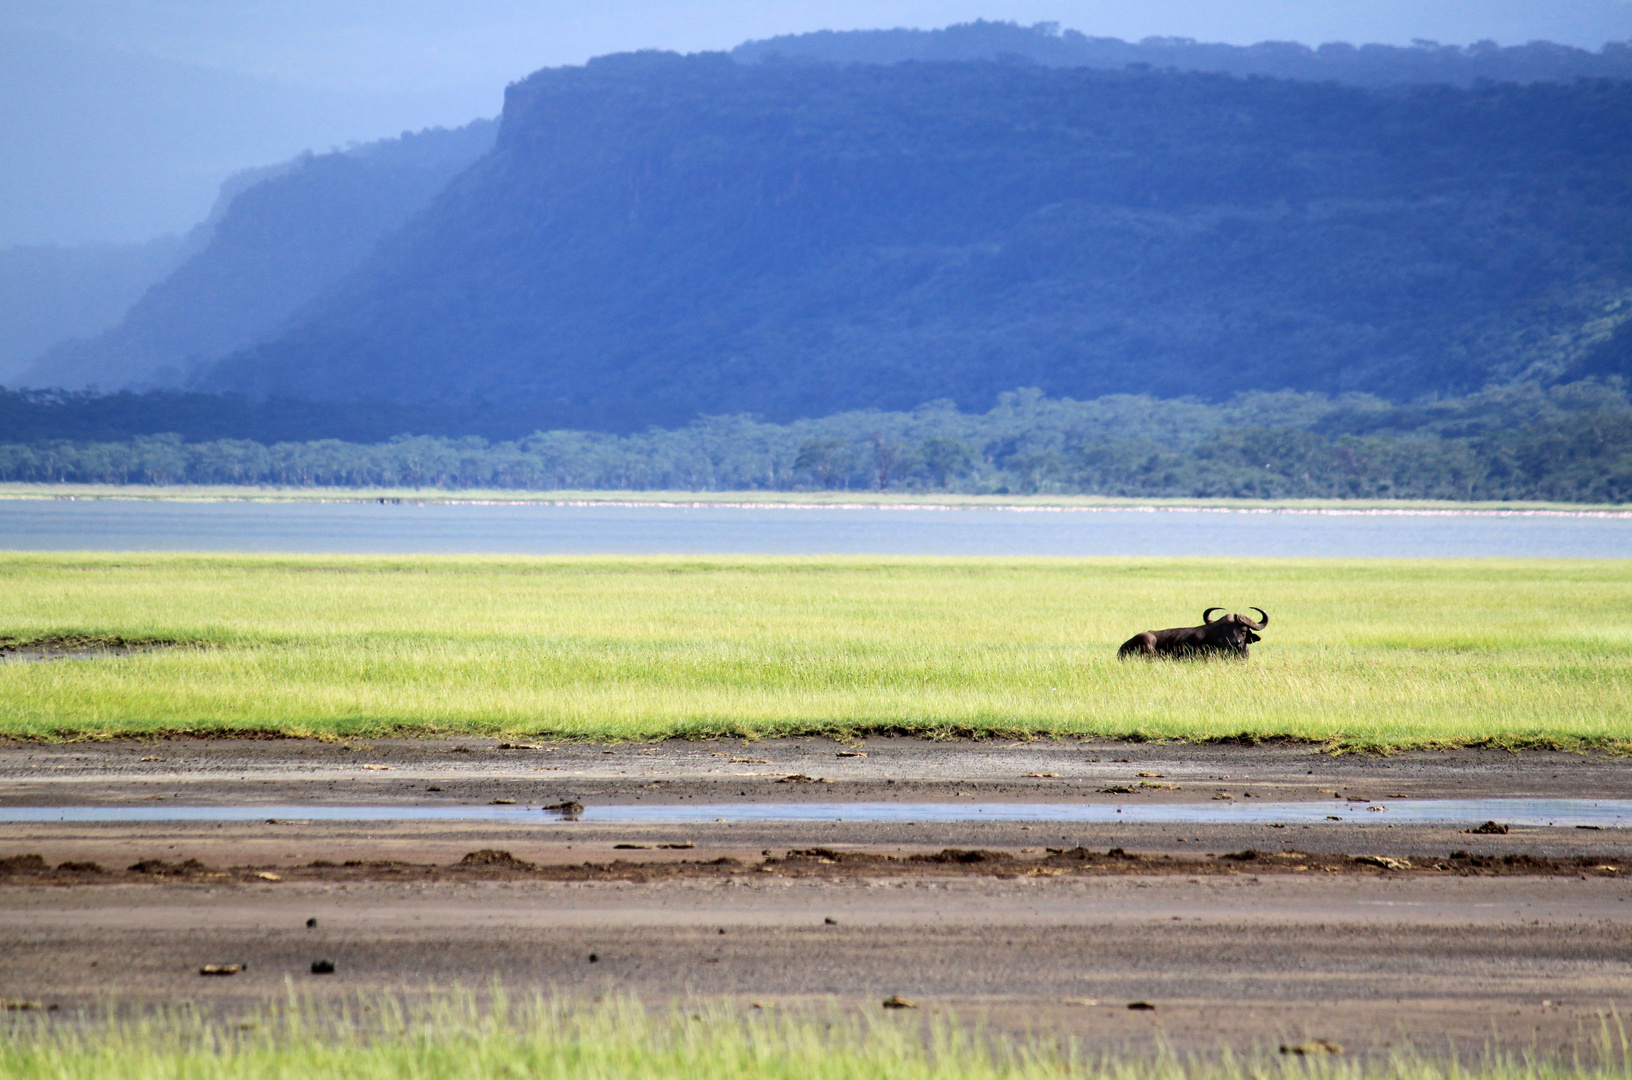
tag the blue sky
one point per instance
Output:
(395, 45)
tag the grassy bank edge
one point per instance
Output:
(458, 1033)
(839, 733)
(436, 496)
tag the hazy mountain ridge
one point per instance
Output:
(657, 236)
(54, 293)
(103, 144)
(49, 293)
(278, 237)
(1048, 44)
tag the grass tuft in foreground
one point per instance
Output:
(453, 1038)
(1359, 653)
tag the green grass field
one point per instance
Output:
(1380, 653)
(451, 1038)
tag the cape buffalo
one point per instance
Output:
(1226, 636)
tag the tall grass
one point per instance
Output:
(452, 1037)
(1358, 652)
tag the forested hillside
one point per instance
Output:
(1047, 43)
(657, 237)
(283, 236)
(1570, 443)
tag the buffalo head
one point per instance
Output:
(1234, 632)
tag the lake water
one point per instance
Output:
(82, 525)
(1600, 813)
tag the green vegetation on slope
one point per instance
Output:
(1359, 653)
(452, 1036)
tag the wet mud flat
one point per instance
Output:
(1248, 933)
(430, 772)
(1372, 961)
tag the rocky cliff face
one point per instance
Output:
(656, 237)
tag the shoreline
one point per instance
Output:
(768, 500)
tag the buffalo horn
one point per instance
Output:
(1263, 618)
(1208, 612)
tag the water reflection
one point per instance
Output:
(1602, 813)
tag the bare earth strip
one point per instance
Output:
(1300, 941)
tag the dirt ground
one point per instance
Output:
(1524, 940)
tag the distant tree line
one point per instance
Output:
(1570, 443)
(1047, 43)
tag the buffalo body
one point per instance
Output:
(1229, 635)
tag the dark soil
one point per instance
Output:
(821, 862)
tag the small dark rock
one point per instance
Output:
(830, 921)
(567, 807)
(311, 922)
(322, 967)
(1140, 1006)
(594, 958)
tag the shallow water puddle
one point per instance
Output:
(46, 656)
(1601, 813)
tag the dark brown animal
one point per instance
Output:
(1226, 636)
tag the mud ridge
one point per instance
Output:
(821, 862)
